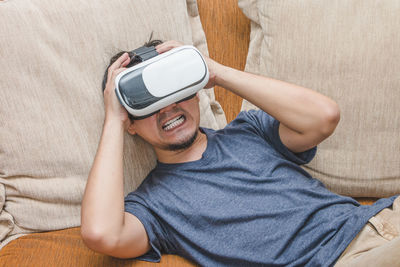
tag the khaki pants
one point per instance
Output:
(378, 243)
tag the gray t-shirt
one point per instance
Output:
(246, 202)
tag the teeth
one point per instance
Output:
(173, 123)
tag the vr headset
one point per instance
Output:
(160, 79)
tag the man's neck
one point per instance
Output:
(192, 153)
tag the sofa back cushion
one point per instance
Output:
(347, 50)
(53, 57)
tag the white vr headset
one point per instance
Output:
(160, 79)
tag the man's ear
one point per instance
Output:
(131, 129)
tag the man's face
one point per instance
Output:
(174, 127)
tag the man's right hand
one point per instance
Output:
(105, 226)
(113, 108)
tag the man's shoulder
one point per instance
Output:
(249, 120)
(250, 116)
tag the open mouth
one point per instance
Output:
(175, 122)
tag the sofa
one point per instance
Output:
(344, 49)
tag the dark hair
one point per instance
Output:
(134, 60)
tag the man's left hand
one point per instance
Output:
(212, 65)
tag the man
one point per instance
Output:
(233, 197)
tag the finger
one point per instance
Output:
(164, 47)
(166, 43)
(173, 43)
(117, 64)
(116, 72)
(111, 80)
(119, 61)
(126, 62)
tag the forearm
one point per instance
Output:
(103, 200)
(298, 108)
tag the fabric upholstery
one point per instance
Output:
(53, 56)
(347, 50)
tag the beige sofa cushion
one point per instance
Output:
(349, 51)
(53, 56)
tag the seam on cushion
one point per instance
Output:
(7, 225)
(198, 35)
(250, 9)
(199, 40)
(6, 219)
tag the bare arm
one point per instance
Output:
(306, 117)
(105, 226)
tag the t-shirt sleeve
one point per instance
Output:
(268, 127)
(155, 232)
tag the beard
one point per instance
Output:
(185, 141)
(184, 144)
